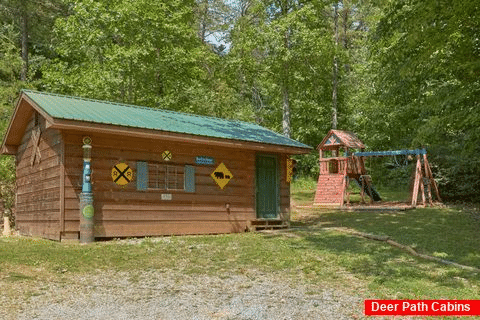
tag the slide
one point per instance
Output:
(374, 194)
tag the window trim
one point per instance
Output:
(187, 183)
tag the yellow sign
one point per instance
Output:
(221, 175)
(167, 155)
(290, 163)
(122, 174)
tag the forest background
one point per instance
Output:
(399, 73)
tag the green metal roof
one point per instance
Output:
(80, 109)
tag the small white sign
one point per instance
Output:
(166, 196)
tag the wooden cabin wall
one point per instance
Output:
(38, 185)
(284, 189)
(124, 211)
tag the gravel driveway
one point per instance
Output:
(169, 295)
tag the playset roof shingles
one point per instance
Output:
(336, 138)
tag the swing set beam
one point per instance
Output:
(424, 181)
(390, 153)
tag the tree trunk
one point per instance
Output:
(285, 89)
(203, 21)
(24, 31)
(345, 25)
(345, 16)
(286, 111)
(335, 70)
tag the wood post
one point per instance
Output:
(429, 180)
(345, 179)
(6, 227)
(428, 173)
(362, 190)
(418, 176)
(422, 187)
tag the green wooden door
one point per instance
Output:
(267, 187)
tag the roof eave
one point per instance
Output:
(18, 123)
(62, 124)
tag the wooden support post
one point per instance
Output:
(428, 172)
(422, 187)
(345, 180)
(429, 180)
(362, 192)
(6, 227)
(418, 173)
(363, 170)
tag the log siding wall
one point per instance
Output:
(38, 185)
(48, 192)
(125, 211)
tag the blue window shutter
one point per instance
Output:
(142, 175)
(189, 179)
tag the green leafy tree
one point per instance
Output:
(281, 57)
(32, 22)
(425, 61)
(139, 52)
(11, 65)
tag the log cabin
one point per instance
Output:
(153, 172)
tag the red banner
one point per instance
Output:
(422, 307)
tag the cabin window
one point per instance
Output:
(161, 176)
(165, 177)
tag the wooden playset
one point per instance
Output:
(342, 160)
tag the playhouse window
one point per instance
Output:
(333, 166)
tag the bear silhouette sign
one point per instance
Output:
(221, 175)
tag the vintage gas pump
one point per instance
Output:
(86, 197)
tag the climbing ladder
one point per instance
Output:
(330, 190)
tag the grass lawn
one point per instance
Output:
(313, 251)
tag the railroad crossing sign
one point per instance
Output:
(122, 174)
(221, 175)
(167, 155)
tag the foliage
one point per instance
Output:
(408, 70)
(307, 165)
(425, 61)
(103, 54)
(281, 54)
(10, 69)
(7, 187)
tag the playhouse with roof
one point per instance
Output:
(342, 160)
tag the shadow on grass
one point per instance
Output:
(444, 233)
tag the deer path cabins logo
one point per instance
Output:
(221, 175)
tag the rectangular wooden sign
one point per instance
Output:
(204, 160)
